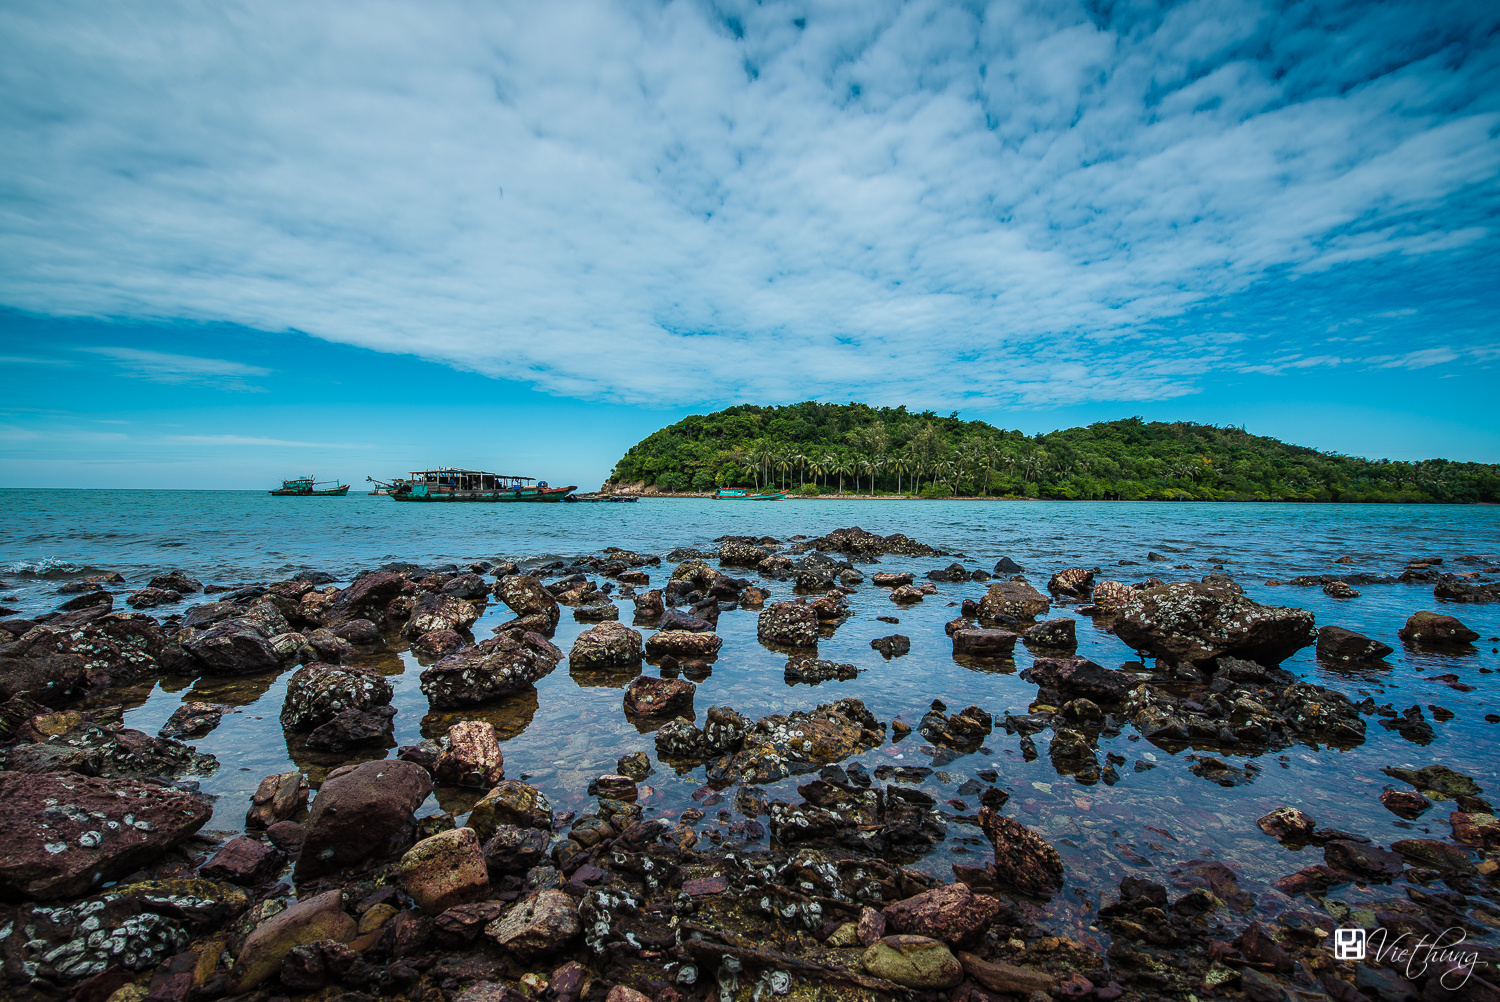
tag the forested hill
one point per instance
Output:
(844, 448)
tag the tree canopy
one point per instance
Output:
(828, 448)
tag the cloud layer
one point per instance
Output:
(703, 202)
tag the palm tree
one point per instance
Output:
(870, 464)
(784, 461)
(800, 458)
(843, 467)
(820, 464)
(751, 465)
(899, 463)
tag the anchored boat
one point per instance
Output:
(448, 483)
(307, 487)
(730, 494)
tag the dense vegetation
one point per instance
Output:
(838, 448)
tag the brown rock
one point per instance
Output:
(1405, 803)
(1197, 623)
(510, 803)
(526, 596)
(473, 756)
(543, 923)
(651, 697)
(608, 645)
(619, 993)
(1260, 949)
(1080, 677)
(358, 809)
(1347, 647)
(1288, 824)
(871, 927)
(243, 860)
(445, 870)
(1006, 978)
(953, 914)
(914, 962)
(788, 624)
(308, 921)
(1110, 595)
(1012, 602)
(683, 644)
(1072, 581)
(1023, 858)
(984, 643)
(462, 924)
(277, 798)
(1436, 630)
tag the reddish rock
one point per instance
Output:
(617, 788)
(511, 802)
(655, 697)
(953, 914)
(1288, 824)
(1080, 677)
(1347, 647)
(500, 666)
(907, 595)
(1023, 858)
(608, 645)
(308, 921)
(1473, 828)
(980, 642)
(1259, 948)
(1405, 803)
(788, 624)
(871, 927)
(287, 836)
(1110, 595)
(544, 923)
(1366, 860)
(473, 756)
(885, 579)
(462, 924)
(1435, 630)
(684, 644)
(445, 870)
(620, 993)
(366, 598)
(649, 605)
(438, 643)
(277, 798)
(1199, 623)
(1075, 582)
(1012, 602)
(358, 809)
(526, 596)
(107, 828)
(699, 887)
(243, 860)
(316, 693)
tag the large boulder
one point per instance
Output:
(502, 665)
(1347, 647)
(1196, 623)
(1023, 859)
(316, 693)
(736, 553)
(473, 756)
(788, 624)
(544, 923)
(1074, 582)
(526, 596)
(238, 646)
(682, 644)
(445, 870)
(1012, 602)
(913, 962)
(659, 697)
(357, 811)
(52, 679)
(1080, 677)
(953, 914)
(366, 598)
(62, 834)
(355, 729)
(984, 643)
(607, 646)
(434, 612)
(514, 803)
(1436, 630)
(310, 920)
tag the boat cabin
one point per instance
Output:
(447, 478)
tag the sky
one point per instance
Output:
(240, 242)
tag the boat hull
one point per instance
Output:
(543, 495)
(778, 496)
(336, 492)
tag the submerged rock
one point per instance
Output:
(1345, 646)
(893, 646)
(1023, 859)
(1436, 630)
(1198, 623)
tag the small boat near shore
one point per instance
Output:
(308, 487)
(447, 483)
(601, 498)
(734, 494)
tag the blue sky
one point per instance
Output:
(239, 241)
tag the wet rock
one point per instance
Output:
(360, 632)
(316, 693)
(620, 788)
(192, 720)
(862, 545)
(287, 836)
(913, 962)
(1451, 589)
(1405, 803)
(671, 619)
(235, 647)
(953, 914)
(500, 666)
(308, 921)
(607, 646)
(438, 643)
(682, 644)
(651, 697)
(1435, 630)
(1366, 860)
(150, 598)
(649, 606)
(1005, 565)
(526, 597)
(1006, 978)
(741, 554)
(1023, 859)
(1075, 582)
(355, 729)
(680, 739)
(1074, 677)
(1012, 602)
(597, 612)
(516, 850)
(243, 860)
(438, 612)
(472, 756)
(964, 730)
(894, 646)
(788, 624)
(51, 679)
(445, 870)
(1437, 782)
(724, 730)
(462, 924)
(1477, 829)
(1288, 825)
(64, 833)
(636, 765)
(1412, 725)
(176, 581)
(979, 642)
(1433, 853)
(1198, 623)
(1347, 647)
(544, 923)
(907, 595)
(467, 586)
(1340, 589)
(510, 803)
(813, 671)
(1258, 947)
(1054, 633)
(1111, 595)
(886, 579)
(953, 572)
(358, 810)
(276, 799)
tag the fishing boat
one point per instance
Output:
(735, 494)
(447, 483)
(601, 498)
(307, 487)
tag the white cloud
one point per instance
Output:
(252, 440)
(163, 367)
(702, 203)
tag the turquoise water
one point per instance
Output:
(573, 728)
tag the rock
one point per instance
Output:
(243, 860)
(606, 646)
(1055, 633)
(636, 766)
(1075, 582)
(287, 836)
(619, 993)
(543, 923)
(277, 798)
(1450, 589)
(1006, 978)
(63, 833)
(462, 924)
(1288, 824)
(1437, 782)
(913, 962)
(978, 642)
(1435, 630)
(192, 720)
(500, 666)
(682, 644)
(1023, 859)
(527, 597)
(1339, 589)
(953, 914)
(788, 624)
(516, 850)
(885, 579)
(648, 697)
(1197, 624)
(893, 646)
(1476, 829)
(649, 606)
(965, 730)
(1081, 677)
(235, 647)
(445, 870)
(357, 810)
(813, 671)
(355, 729)
(1345, 646)
(150, 598)
(52, 679)
(473, 756)
(308, 921)
(1365, 860)
(360, 632)
(1005, 565)
(735, 553)
(1012, 602)
(1259, 948)
(176, 581)
(724, 730)
(1405, 803)
(439, 643)
(1433, 853)
(510, 803)
(1111, 595)
(679, 739)
(467, 586)
(434, 612)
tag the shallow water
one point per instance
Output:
(572, 728)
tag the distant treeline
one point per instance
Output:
(841, 448)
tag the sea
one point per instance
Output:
(1159, 819)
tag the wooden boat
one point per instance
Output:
(734, 494)
(307, 487)
(601, 498)
(448, 483)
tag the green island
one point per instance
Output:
(816, 449)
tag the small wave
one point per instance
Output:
(44, 567)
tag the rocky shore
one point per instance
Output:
(797, 871)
